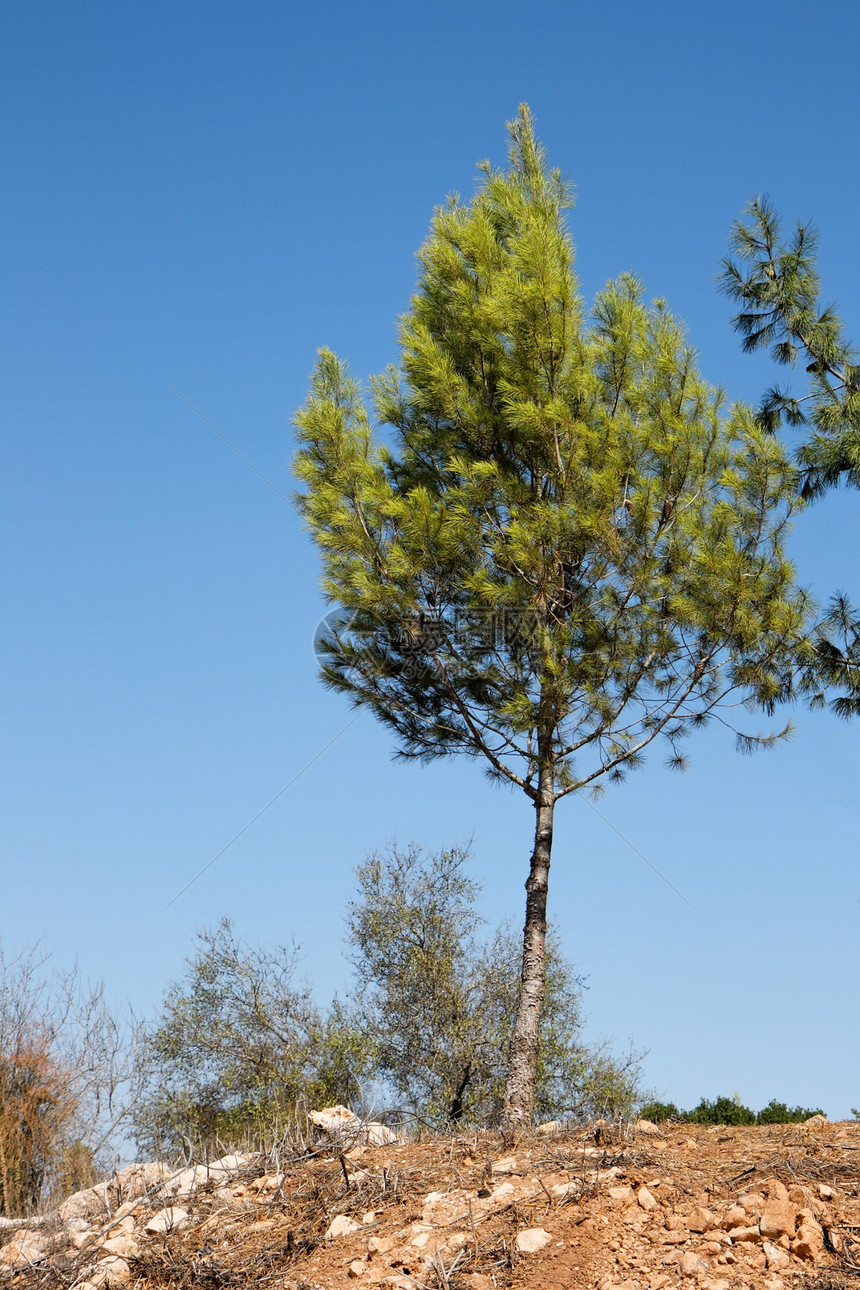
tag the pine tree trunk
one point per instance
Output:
(518, 1111)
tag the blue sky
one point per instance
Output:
(203, 194)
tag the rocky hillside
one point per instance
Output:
(607, 1207)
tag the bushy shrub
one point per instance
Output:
(778, 1113)
(239, 1044)
(658, 1112)
(724, 1110)
(437, 1000)
(729, 1110)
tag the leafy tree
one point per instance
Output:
(238, 1045)
(777, 284)
(567, 548)
(436, 1001)
(411, 933)
(725, 1110)
(778, 1113)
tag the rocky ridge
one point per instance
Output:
(604, 1208)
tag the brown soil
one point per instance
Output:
(613, 1208)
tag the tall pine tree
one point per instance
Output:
(565, 547)
(778, 287)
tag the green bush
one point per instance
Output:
(778, 1113)
(730, 1110)
(239, 1045)
(725, 1110)
(658, 1112)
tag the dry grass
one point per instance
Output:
(253, 1232)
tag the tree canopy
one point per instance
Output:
(558, 544)
(778, 287)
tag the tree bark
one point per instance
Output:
(456, 1109)
(518, 1110)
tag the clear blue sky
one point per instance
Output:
(204, 193)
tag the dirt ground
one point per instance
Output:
(602, 1207)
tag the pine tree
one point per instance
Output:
(566, 547)
(778, 287)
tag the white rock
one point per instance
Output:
(532, 1239)
(123, 1244)
(506, 1165)
(776, 1257)
(78, 1232)
(25, 1249)
(380, 1244)
(340, 1121)
(342, 1225)
(648, 1128)
(111, 1272)
(549, 1128)
(171, 1219)
(128, 1185)
(217, 1172)
(375, 1134)
(333, 1119)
